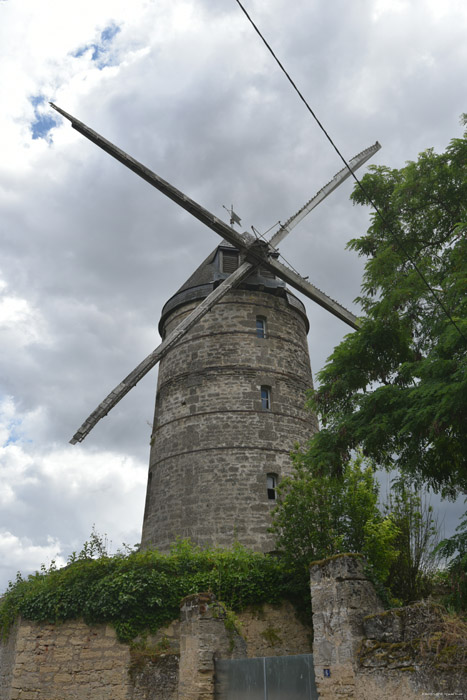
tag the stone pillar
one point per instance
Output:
(203, 638)
(341, 596)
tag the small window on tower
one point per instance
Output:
(266, 398)
(260, 327)
(229, 260)
(272, 485)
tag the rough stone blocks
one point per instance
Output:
(213, 441)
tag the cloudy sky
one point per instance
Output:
(90, 253)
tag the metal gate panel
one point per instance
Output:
(240, 679)
(290, 678)
(266, 678)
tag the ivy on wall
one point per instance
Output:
(141, 591)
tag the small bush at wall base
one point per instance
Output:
(142, 590)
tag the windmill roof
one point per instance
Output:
(204, 274)
(209, 275)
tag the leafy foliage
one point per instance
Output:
(319, 515)
(455, 550)
(142, 590)
(411, 573)
(398, 387)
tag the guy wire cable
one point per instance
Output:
(375, 207)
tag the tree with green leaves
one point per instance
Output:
(397, 387)
(319, 515)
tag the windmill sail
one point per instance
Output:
(355, 163)
(255, 253)
(309, 290)
(151, 360)
(210, 220)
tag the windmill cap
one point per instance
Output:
(211, 273)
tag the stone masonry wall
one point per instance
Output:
(341, 596)
(75, 661)
(213, 444)
(204, 636)
(154, 676)
(71, 660)
(414, 651)
(7, 662)
(274, 630)
(365, 653)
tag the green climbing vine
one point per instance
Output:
(141, 591)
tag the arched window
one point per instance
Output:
(271, 486)
(260, 327)
(266, 398)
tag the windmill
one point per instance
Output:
(232, 382)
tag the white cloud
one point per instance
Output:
(13, 310)
(382, 8)
(78, 472)
(20, 320)
(23, 555)
(15, 471)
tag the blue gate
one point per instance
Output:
(266, 678)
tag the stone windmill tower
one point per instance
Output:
(234, 370)
(229, 409)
